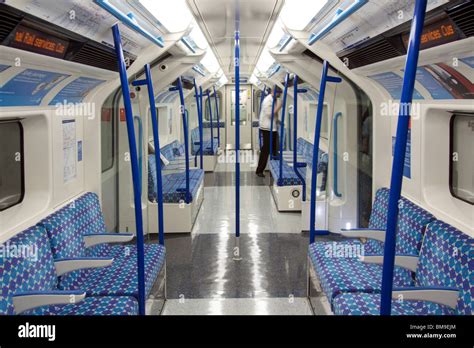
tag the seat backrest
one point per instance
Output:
(88, 206)
(412, 223)
(65, 229)
(167, 151)
(195, 139)
(446, 260)
(178, 148)
(26, 264)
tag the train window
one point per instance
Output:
(462, 164)
(12, 187)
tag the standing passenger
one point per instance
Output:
(264, 125)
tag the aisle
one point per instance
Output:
(202, 277)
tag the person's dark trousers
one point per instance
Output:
(265, 150)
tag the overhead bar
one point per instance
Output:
(130, 21)
(339, 17)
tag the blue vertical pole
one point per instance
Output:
(156, 142)
(237, 133)
(399, 154)
(179, 88)
(201, 132)
(317, 133)
(295, 136)
(137, 194)
(218, 118)
(271, 121)
(282, 128)
(199, 113)
(210, 116)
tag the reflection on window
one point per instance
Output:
(243, 107)
(107, 134)
(207, 116)
(11, 164)
(462, 162)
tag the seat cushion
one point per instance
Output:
(120, 278)
(104, 305)
(289, 177)
(339, 270)
(369, 304)
(174, 185)
(446, 260)
(209, 149)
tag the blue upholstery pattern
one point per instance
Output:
(104, 305)
(174, 185)
(445, 261)
(369, 304)
(35, 271)
(120, 278)
(339, 273)
(305, 151)
(289, 176)
(208, 150)
(21, 273)
(214, 124)
(67, 227)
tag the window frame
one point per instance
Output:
(451, 149)
(22, 155)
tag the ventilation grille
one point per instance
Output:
(372, 53)
(99, 57)
(8, 22)
(463, 16)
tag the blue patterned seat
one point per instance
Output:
(289, 177)
(174, 184)
(66, 229)
(35, 272)
(337, 264)
(445, 261)
(208, 150)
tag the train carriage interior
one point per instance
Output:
(237, 157)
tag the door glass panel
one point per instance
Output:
(243, 107)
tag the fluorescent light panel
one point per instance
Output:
(296, 14)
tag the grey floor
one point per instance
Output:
(203, 277)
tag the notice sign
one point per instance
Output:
(69, 150)
(29, 87)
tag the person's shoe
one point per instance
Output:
(260, 175)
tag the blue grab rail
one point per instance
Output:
(148, 81)
(210, 116)
(130, 21)
(137, 193)
(140, 147)
(282, 129)
(297, 165)
(338, 18)
(218, 118)
(335, 156)
(396, 180)
(271, 122)
(237, 131)
(199, 113)
(179, 88)
(317, 135)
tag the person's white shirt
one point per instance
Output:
(265, 116)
